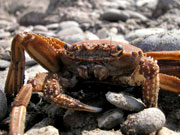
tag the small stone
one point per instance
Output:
(29, 61)
(124, 102)
(53, 26)
(166, 131)
(43, 128)
(3, 105)
(4, 35)
(144, 122)
(134, 14)
(90, 36)
(3, 75)
(4, 64)
(139, 33)
(101, 132)
(74, 38)
(68, 24)
(161, 41)
(115, 15)
(110, 119)
(40, 28)
(69, 32)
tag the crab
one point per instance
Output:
(96, 60)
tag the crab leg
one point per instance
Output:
(17, 121)
(169, 83)
(53, 91)
(43, 49)
(147, 75)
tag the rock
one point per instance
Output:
(32, 71)
(74, 38)
(90, 36)
(40, 28)
(122, 4)
(101, 132)
(3, 75)
(166, 131)
(4, 24)
(164, 5)
(53, 26)
(69, 32)
(137, 15)
(4, 64)
(4, 35)
(163, 41)
(124, 102)
(68, 24)
(115, 15)
(43, 128)
(3, 105)
(78, 119)
(143, 33)
(144, 122)
(110, 119)
(29, 61)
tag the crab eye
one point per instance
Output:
(119, 47)
(65, 46)
(117, 50)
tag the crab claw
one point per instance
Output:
(54, 92)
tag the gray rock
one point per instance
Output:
(3, 105)
(68, 24)
(4, 24)
(115, 15)
(124, 102)
(101, 132)
(144, 122)
(4, 64)
(32, 71)
(29, 61)
(143, 33)
(53, 26)
(164, 5)
(43, 128)
(90, 36)
(69, 32)
(163, 41)
(137, 15)
(122, 4)
(74, 38)
(4, 35)
(40, 28)
(3, 75)
(110, 119)
(166, 131)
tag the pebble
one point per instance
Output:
(32, 71)
(134, 14)
(115, 15)
(144, 122)
(52, 26)
(110, 119)
(166, 131)
(124, 102)
(68, 24)
(4, 64)
(74, 38)
(90, 36)
(101, 132)
(4, 35)
(163, 41)
(43, 128)
(69, 32)
(40, 28)
(3, 105)
(3, 75)
(139, 33)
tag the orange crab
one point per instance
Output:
(98, 60)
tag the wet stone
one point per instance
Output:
(125, 102)
(144, 122)
(3, 105)
(110, 119)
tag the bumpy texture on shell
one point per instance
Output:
(144, 122)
